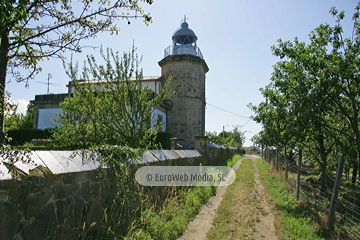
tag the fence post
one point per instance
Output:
(278, 163)
(265, 153)
(277, 159)
(273, 159)
(334, 197)
(285, 163)
(298, 176)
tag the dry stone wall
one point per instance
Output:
(63, 205)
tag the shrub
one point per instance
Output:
(242, 151)
(164, 139)
(21, 136)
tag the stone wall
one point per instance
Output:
(186, 118)
(63, 205)
(54, 206)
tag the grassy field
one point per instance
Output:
(292, 221)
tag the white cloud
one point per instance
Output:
(22, 105)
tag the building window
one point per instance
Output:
(160, 119)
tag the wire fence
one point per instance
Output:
(315, 192)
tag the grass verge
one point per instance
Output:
(293, 222)
(235, 216)
(233, 160)
(171, 220)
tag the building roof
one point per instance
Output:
(184, 30)
(144, 79)
(59, 162)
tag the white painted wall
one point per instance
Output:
(153, 85)
(46, 116)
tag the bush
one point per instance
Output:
(21, 136)
(242, 151)
(164, 139)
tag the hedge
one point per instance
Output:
(21, 136)
(164, 139)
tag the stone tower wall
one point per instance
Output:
(186, 118)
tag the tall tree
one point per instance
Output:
(317, 85)
(31, 30)
(109, 105)
(15, 120)
(234, 138)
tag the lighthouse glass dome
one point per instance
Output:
(184, 42)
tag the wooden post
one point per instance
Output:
(277, 159)
(266, 153)
(285, 164)
(334, 197)
(298, 176)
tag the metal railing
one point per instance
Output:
(195, 51)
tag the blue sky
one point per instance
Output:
(234, 36)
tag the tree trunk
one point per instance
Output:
(4, 49)
(298, 176)
(323, 156)
(323, 176)
(334, 197)
(357, 169)
(285, 163)
(354, 173)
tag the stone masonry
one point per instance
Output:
(40, 204)
(186, 118)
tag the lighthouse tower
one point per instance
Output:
(184, 66)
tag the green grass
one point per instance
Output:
(170, 221)
(229, 220)
(292, 217)
(233, 160)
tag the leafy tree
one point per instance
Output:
(31, 30)
(28, 119)
(115, 109)
(15, 120)
(314, 95)
(213, 137)
(259, 140)
(234, 138)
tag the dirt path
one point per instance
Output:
(202, 223)
(264, 225)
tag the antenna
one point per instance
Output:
(48, 83)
